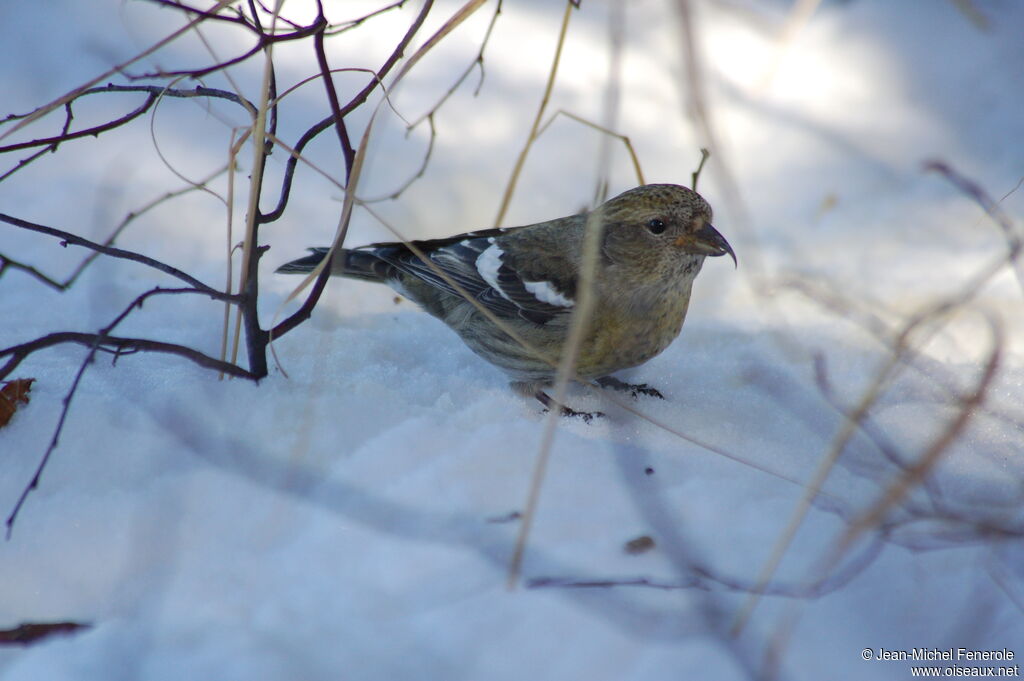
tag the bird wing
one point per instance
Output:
(484, 265)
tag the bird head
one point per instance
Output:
(660, 223)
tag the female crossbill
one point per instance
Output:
(652, 243)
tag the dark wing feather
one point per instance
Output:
(457, 258)
(427, 245)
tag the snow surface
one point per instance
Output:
(352, 520)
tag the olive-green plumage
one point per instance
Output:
(652, 243)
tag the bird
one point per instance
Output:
(652, 242)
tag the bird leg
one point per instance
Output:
(527, 389)
(548, 401)
(634, 389)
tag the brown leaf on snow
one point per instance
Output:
(639, 545)
(31, 632)
(12, 395)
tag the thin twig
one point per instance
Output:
(72, 239)
(973, 14)
(477, 62)
(858, 312)
(233, 148)
(704, 154)
(704, 579)
(349, 24)
(265, 41)
(510, 188)
(902, 348)
(50, 144)
(131, 217)
(424, 163)
(914, 473)
(332, 94)
(69, 115)
(248, 285)
(797, 19)
(96, 342)
(312, 132)
(93, 131)
(612, 100)
(991, 208)
(602, 129)
(695, 92)
(213, 15)
(319, 276)
(6, 262)
(120, 346)
(579, 322)
(120, 68)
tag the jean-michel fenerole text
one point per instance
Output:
(962, 654)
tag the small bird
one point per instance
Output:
(652, 243)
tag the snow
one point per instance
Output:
(352, 519)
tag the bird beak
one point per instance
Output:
(706, 241)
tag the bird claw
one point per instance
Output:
(563, 410)
(644, 389)
(634, 389)
(586, 416)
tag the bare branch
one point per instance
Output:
(992, 208)
(215, 15)
(96, 342)
(704, 579)
(704, 154)
(119, 68)
(93, 131)
(154, 91)
(478, 61)
(118, 346)
(600, 128)
(306, 309)
(315, 130)
(927, 460)
(6, 262)
(332, 95)
(68, 117)
(510, 188)
(418, 174)
(265, 40)
(353, 23)
(69, 238)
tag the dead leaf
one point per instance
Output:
(639, 545)
(31, 632)
(13, 394)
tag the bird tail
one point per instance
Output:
(304, 265)
(356, 264)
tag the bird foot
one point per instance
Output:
(548, 403)
(634, 389)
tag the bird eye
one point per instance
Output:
(655, 226)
